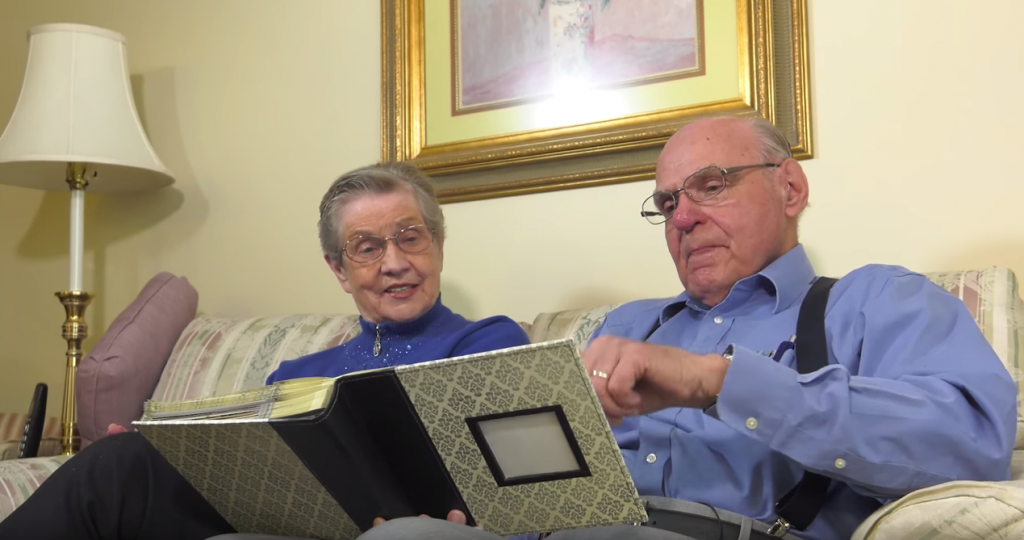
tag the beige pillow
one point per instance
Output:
(122, 370)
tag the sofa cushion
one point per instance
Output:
(19, 478)
(578, 324)
(122, 370)
(216, 356)
(951, 511)
(993, 299)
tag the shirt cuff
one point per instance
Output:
(756, 394)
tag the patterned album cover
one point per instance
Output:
(447, 392)
(251, 477)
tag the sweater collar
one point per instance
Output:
(436, 312)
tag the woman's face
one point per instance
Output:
(399, 286)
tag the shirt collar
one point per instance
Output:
(786, 279)
(791, 274)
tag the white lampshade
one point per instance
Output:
(76, 106)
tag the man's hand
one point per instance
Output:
(633, 378)
(455, 516)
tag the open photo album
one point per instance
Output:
(514, 438)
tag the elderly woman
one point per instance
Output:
(382, 234)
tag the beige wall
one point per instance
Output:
(257, 105)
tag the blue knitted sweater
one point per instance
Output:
(438, 333)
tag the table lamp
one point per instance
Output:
(75, 126)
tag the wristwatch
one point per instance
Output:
(727, 354)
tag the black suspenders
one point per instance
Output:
(798, 508)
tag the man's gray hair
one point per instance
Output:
(774, 144)
(377, 179)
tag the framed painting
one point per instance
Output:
(495, 98)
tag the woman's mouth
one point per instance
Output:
(401, 291)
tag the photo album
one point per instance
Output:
(515, 438)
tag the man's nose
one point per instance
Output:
(687, 214)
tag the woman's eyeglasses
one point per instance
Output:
(367, 248)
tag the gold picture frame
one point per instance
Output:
(770, 76)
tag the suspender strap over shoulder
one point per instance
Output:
(798, 508)
(811, 346)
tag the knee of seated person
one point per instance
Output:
(399, 529)
(120, 445)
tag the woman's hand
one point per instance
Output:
(114, 429)
(455, 516)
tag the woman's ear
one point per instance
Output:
(339, 273)
(440, 253)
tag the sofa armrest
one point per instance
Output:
(47, 447)
(951, 511)
(19, 478)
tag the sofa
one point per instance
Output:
(12, 426)
(159, 348)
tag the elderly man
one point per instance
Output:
(703, 390)
(912, 395)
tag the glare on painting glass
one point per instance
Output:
(574, 102)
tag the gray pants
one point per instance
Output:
(415, 528)
(435, 529)
(698, 521)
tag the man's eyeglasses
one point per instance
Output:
(699, 187)
(367, 248)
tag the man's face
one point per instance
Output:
(740, 231)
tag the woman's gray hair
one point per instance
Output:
(377, 179)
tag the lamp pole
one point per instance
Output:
(74, 300)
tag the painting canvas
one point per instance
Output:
(507, 52)
(495, 98)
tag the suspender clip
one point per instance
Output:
(779, 528)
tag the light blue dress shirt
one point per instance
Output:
(913, 396)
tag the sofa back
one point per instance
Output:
(218, 355)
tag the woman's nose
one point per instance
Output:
(394, 259)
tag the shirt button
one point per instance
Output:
(718, 320)
(840, 463)
(751, 423)
(651, 458)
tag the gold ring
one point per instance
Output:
(601, 374)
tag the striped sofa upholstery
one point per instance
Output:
(218, 355)
(13, 424)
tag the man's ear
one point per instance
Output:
(339, 273)
(797, 189)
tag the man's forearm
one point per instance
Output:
(884, 437)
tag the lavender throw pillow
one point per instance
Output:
(122, 370)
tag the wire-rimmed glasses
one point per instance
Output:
(367, 248)
(699, 187)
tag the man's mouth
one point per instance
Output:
(701, 251)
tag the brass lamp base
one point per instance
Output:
(74, 332)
